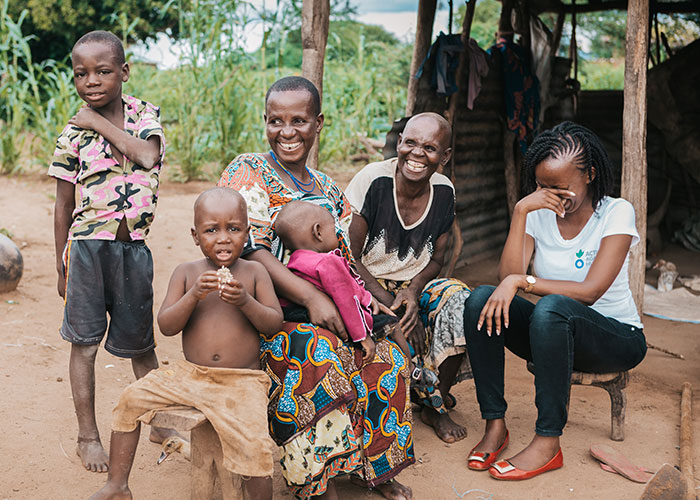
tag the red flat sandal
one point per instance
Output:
(482, 460)
(506, 471)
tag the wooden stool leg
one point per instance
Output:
(618, 405)
(203, 445)
(231, 484)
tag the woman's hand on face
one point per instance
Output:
(498, 305)
(550, 198)
(409, 300)
(326, 315)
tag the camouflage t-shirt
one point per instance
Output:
(105, 191)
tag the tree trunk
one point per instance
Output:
(634, 132)
(424, 35)
(315, 16)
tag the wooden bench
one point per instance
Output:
(615, 384)
(209, 479)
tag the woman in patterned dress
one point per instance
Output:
(330, 414)
(402, 213)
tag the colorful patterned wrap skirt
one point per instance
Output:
(441, 310)
(330, 414)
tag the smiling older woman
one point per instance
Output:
(330, 413)
(402, 213)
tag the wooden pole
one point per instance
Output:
(315, 16)
(424, 35)
(462, 75)
(686, 455)
(573, 49)
(510, 172)
(558, 29)
(505, 25)
(634, 135)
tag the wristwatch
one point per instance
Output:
(530, 283)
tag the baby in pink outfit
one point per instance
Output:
(308, 231)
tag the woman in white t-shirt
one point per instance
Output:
(578, 238)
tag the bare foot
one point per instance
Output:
(160, 434)
(111, 492)
(393, 490)
(540, 451)
(92, 454)
(445, 428)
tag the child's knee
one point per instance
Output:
(84, 352)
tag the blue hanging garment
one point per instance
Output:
(522, 90)
(445, 51)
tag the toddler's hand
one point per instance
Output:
(85, 118)
(233, 292)
(377, 308)
(207, 282)
(368, 349)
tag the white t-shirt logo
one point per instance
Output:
(579, 262)
(590, 257)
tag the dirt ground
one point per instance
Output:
(37, 441)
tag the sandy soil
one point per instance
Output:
(37, 457)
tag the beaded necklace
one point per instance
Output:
(301, 186)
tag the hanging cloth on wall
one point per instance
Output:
(522, 90)
(478, 69)
(445, 51)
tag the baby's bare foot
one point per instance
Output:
(110, 492)
(92, 454)
(160, 434)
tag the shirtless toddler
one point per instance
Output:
(220, 317)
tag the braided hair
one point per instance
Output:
(577, 142)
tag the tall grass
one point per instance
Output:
(36, 99)
(212, 104)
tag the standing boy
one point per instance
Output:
(106, 166)
(219, 303)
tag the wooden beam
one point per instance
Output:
(451, 115)
(505, 25)
(424, 36)
(634, 135)
(315, 16)
(687, 6)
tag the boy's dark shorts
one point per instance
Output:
(112, 277)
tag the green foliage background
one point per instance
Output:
(57, 24)
(212, 103)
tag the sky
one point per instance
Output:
(396, 16)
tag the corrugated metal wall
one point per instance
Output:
(479, 166)
(482, 210)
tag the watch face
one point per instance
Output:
(531, 280)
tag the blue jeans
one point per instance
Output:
(558, 335)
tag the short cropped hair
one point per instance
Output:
(107, 38)
(291, 83)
